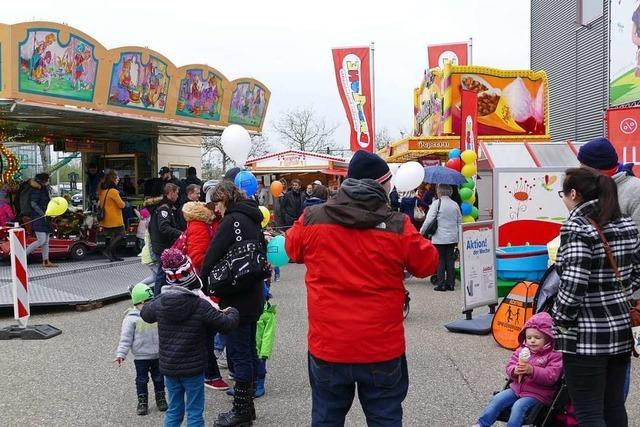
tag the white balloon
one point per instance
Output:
(409, 176)
(236, 142)
(394, 167)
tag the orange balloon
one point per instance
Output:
(276, 188)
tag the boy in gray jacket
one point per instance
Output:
(142, 339)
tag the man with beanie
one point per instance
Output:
(356, 250)
(184, 319)
(600, 154)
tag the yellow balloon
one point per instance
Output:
(467, 219)
(57, 206)
(468, 157)
(469, 170)
(472, 199)
(266, 215)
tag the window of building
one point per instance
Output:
(589, 11)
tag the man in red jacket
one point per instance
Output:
(356, 250)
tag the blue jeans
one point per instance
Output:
(161, 280)
(143, 368)
(220, 342)
(242, 352)
(503, 400)
(176, 389)
(381, 389)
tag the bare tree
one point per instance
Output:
(383, 138)
(300, 129)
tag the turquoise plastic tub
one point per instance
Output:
(522, 262)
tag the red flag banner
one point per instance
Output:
(352, 69)
(457, 53)
(468, 120)
(623, 130)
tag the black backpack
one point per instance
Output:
(23, 202)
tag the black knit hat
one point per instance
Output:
(598, 154)
(231, 174)
(368, 165)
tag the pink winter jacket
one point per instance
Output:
(6, 213)
(546, 363)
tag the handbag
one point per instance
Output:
(433, 225)
(100, 210)
(634, 307)
(244, 264)
(418, 213)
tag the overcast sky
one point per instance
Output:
(286, 44)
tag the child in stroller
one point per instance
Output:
(534, 371)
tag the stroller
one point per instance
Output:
(560, 412)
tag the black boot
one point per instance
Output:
(161, 401)
(240, 415)
(253, 396)
(143, 404)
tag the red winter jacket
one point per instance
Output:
(356, 250)
(198, 232)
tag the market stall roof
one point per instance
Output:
(529, 154)
(35, 121)
(297, 161)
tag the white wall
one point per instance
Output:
(179, 151)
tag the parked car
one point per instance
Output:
(76, 199)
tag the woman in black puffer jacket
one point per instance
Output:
(238, 213)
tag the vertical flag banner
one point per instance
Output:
(353, 74)
(469, 120)
(456, 53)
(623, 130)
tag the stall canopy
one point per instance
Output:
(295, 161)
(528, 155)
(58, 83)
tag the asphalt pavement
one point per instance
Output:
(71, 380)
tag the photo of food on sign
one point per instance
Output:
(506, 105)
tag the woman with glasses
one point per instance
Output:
(599, 267)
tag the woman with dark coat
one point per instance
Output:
(38, 200)
(238, 213)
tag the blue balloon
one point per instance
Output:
(466, 208)
(276, 253)
(247, 182)
(454, 154)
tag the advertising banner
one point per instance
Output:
(623, 132)
(457, 53)
(478, 265)
(509, 102)
(469, 115)
(353, 75)
(624, 57)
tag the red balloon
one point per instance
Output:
(455, 164)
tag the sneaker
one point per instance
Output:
(218, 384)
(222, 358)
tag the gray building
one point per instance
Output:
(570, 41)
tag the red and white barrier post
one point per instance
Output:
(20, 281)
(19, 275)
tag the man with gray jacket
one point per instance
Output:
(601, 155)
(445, 239)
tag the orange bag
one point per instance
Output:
(513, 312)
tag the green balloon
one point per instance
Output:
(468, 185)
(474, 212)
(465, 193)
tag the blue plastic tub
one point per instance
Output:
(522, 262)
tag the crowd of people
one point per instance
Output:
(584, 340)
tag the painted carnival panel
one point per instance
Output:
(135, 84)
(200, 96)
(248, 105)
(48, 67)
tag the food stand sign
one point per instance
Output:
(623, 132)
(478, 265)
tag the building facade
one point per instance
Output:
(570, 41)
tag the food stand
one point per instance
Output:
(512, 107)
(305, 166)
